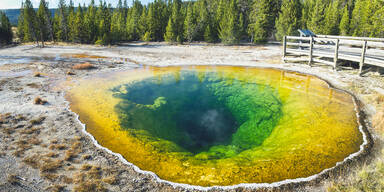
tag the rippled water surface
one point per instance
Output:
(219, 125)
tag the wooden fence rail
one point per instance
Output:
(330, 50)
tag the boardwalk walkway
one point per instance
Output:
(331, 49)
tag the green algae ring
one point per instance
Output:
(220, 126)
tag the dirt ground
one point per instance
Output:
(43, 147)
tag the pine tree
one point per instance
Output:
(71, 20)
(62, 28)
(20, 24)
(317, 20)
(190, 24)
(229, 29)
(332, 18)
(263, 19)
(174, 30)
(43, 17)
(202, 18)
(307, 11)
(209, 34)
(5, 29)
(345, 22)
(133, 21)
(30, 23)
(378, 21)
(79, 35)
(90, 26)
(289, 19)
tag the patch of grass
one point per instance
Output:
(379, 99)
(368, 178)
(50, 176)
(86, 167)
(37, 121)
(8, 130)
(112, 180)
(52, 155)
(83, 66)
(33, 130)
(4, 118)
(90, 185)
(57, 146)
(49, 165)
(13, 179)
(37, 74)
(71, 168)
(33, 85)
(21, 146)
(67, 180)
(378, 120)
(34, 141)
(56, 188)
(70, 73)
(39, 101)
(73, 151)
(32, 161)
(86, 157)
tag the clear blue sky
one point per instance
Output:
(13, 4)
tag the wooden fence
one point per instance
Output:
(330, 50)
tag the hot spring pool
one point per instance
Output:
(211, 126)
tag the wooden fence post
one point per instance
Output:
(285, 47)
(310, 52)
(364, 49)
(336, 54)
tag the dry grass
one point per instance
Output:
(34, 141)
(83, 66)
(90, 185)
(21, 146)
(52, 155)
(86, 157)
(30, 131)
(66, 180)
(112, 180)
(32, 161)
(50, 176)
(13, 179)
(49, 165)
(56, 188)
(37, 121)
(89, 180)
(34, 85)
(369, 178)
(378, 121)
(8, 130)
(4, 118)
(70, 168)
(86, 167)
(70, 73)
(37, 74)
(73, 151)
(39, 101)
(57, 146)
(379, 99)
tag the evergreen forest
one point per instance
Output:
(176, 21)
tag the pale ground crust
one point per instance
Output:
(34, 136)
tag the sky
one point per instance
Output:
(16, 4)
